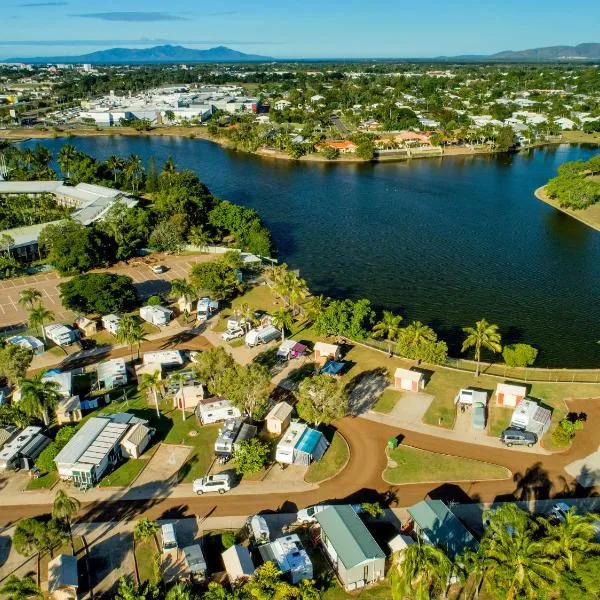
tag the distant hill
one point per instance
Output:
(156, 54)
(581, 52)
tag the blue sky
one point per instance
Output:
(292, 28)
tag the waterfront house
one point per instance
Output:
(342, 146)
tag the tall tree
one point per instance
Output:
(483, 335)
(129, 331)
(64, 508)
(283, 319)
(66, 156)
(38, 316)
(29, 297)
(144, 529)
(115, 165)
(321, 399)
(39, 397)
(388, 328)
(150, 382)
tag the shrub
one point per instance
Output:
(99, 293)
(566, 429)
(519, 355)
(227, 539)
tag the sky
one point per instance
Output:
(297, 29)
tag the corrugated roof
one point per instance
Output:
(62, 572)
(137, 434)
(442, 527)
(348, 535)
(81, 441)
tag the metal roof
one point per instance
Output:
(81, 441)
(62, 572)
(348, 535)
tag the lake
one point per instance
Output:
(446, 241)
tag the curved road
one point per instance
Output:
(534, 476)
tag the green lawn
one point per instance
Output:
(332, 462)
(387, 401)
(144, 557)
(44, 482)
(414, 466)
(125, 474)
(498, 419)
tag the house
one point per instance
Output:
(22, 450)
(300, 445)
(564, 123)
(157, 315)
(290, 557)
(61, 335)
(63, 579)
(529, 415)
(353, 552)
(325, 352)
(405, 379)
(281, 104)
(136, 441)
(29, 342)
(164, 358)
(413, 139)
(238, 563)
(279, 418)
(111, 323)
(435, 524)
(215, 409)
(112, 373)
(188, 396)
(86, 326)
(341, 146)
(510, 395)
(68, 410)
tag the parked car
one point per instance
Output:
(309, 515)
(232, 334)
(158, 269)
(212, 483)
(519, 437)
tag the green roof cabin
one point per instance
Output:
(355, 555)
(435, 524)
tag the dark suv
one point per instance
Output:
(519, 437)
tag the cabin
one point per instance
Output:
(324, 352)
(188, 396)
(215, 409)
(136, 441)
(86, 326)
(279, 418)
(112, 373)
(510, 395)
(411, 381)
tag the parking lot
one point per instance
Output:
(12, 314)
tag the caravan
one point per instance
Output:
(263, 335)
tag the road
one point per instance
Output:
(361, 479)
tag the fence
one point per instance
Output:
(526, 374)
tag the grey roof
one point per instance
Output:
(237, 562)
(28, 235)
(62, 572)
(29, 187)
(442, 527)
(349, 536)
(7, 433)
(137, 434)
(68, 404)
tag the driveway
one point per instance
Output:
(161, 470)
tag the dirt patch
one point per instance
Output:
(163, 466)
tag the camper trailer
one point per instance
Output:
(530, 416)
(157, 315)
(61, 335)
(263, 335)
(258, 530)
(215, 409)
(206, 308)
(300, 445)
(22, 450)
(231, 435)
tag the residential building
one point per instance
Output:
(164, 358)
(63, 579)
(29, 342)
(215, 409)
(22, 450)
(68, 410)
(86, 326)
(342, 146)
(61, 335)
(238, 563)
(111, 323)
(136, 440)
(355, 556)
(279, 418)
(288, 554)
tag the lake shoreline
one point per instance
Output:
(592, 221)
(16, 135)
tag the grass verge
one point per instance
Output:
(44, 482)
(387, 401)
(125, 474)
(145, 551)
(332, 462)
(415, 466)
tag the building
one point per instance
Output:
(157, 315)
(405, 379)
(61, 335)
(136, 440)
(341, 146)
(188, 396)
(238, 563)
(300, 445)
(63, 381)
(29, 342)
(435, 524)
(279, 418)
(88, 327)
(164, 358)
(68, 410)
(215, 409)
(94, 449)
(529, 415)
(111, 323)
(354, 554)
(510, 395)
(22, 450)
(63, 580)
(325, 352)
(7, 433)
(112, 373)
(290, 557)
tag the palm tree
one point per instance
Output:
(29, 297)
(24, 588)
(417, 333)
(64, 508)
(134, 170)
(423, 573)
(199, 237)
(483, 335)
(315, 307)
(130, 332)
(144, 529)
(66, 155)
(151, 382)
(183, 289)
(39, 397)
(38, 316)
(388, 328)
(283, 320)
(114, 164)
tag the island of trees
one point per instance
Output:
(577, 185)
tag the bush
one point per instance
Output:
(227, 539)
(9, 267)
(566, 429)
(251, 456)
(99, 293)
(519, 355)
(154, 301)
(45, 461)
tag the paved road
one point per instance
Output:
(361, 480)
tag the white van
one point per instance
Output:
(169, 541)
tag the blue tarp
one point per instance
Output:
(333, 367)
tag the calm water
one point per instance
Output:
(444, 241)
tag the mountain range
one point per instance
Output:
(156, 54)
(221, 54)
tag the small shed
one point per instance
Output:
(194, 559)
(325, 352)
(63, 580)
(279, 418)
(238, 563)
(405, 379)
(510, 395)
(86, 326)
(399, 543)
(111, 323)
(188, 396)
(136, 441)
(68, 410)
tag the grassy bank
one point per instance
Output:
(331, 463)
(414, 466)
